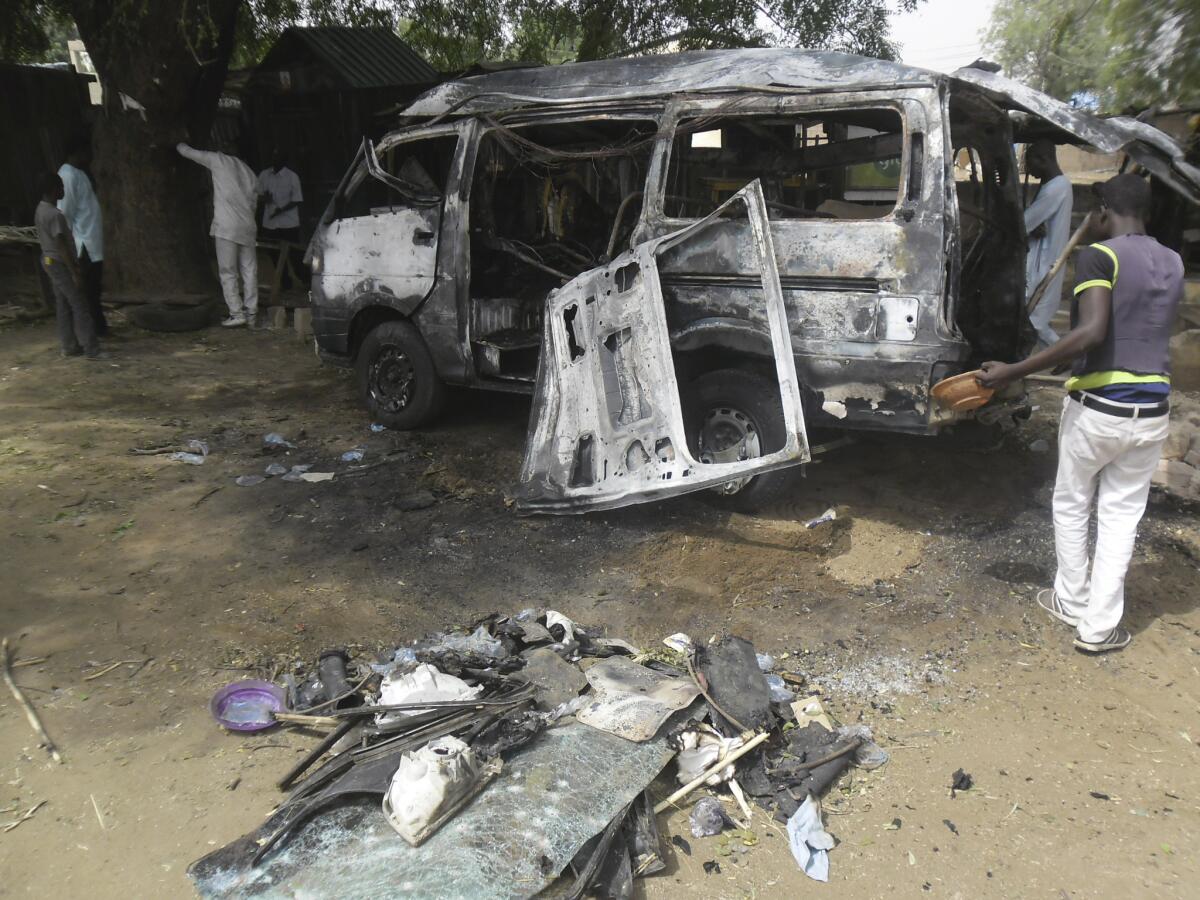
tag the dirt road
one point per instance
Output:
(912, 613)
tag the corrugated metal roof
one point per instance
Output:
(361, 57)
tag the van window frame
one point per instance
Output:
(360, 170)
(797, 105)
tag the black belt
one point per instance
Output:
(1122, 412)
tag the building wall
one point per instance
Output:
(41, 110)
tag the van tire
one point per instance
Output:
(396, 378)
(163, 318)
(746, 396)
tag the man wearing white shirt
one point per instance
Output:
(1048, 224)
(235, 197)
(279, 187)
(82, 211)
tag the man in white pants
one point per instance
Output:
(235, 199)
(1115, 418)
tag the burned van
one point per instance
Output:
(690, 259)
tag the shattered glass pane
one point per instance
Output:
(510, 842)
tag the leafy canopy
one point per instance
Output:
(455, 34)
(1120, 53)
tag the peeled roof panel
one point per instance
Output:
(668, 73)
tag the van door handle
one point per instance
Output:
(423, 237)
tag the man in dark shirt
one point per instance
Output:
(1115, 416)
(76, 327)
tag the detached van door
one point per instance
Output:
(606, 429)
(384, 239)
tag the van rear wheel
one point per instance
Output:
(396, 378)
(732, 414)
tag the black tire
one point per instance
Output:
(396, 378)
(744, 396)
(162, 318)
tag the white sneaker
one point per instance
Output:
(1048, 600)
(234, 321)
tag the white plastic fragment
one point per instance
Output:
(828, 516)
(809, 840)
(275, 440)
(197, 453)
(554, 617)
(424, 683)
(431, 784)
(316, 477)
(679, 642)
(702, 748)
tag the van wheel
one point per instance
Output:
(733, 414)
(396, 378)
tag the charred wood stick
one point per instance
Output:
(316, 753)
(30, 712)
(1074, 242)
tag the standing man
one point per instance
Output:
(1114, 421)
(1048, 224)
(82, 210)
(280, 188)
(233, 230)
(76, 330)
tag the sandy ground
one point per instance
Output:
(912, 613)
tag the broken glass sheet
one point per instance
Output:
(511, 842)
(631, 700)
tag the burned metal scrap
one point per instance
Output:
(445, 743)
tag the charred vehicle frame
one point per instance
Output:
(687, 257)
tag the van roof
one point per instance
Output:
(1035, 113)
(664, 73)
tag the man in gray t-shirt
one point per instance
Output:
(76, 328)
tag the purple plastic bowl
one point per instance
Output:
(248, 705)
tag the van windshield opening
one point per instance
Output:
(828, 165)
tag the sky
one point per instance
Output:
(942, 34)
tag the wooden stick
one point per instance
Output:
(713, 770)
(32, 661)
(28, 815)
(301, 719)
(30, 712)
(109, 668)
(96, 807)
(1074, 242)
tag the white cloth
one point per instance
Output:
(233, 258)
(1113, 458)
(280, 188)
(82, 209)
(1052, 208)
(235, 195)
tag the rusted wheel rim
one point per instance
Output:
(728, 435)
(392, 379)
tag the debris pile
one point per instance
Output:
(494, 761)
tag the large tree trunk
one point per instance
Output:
(171, 56)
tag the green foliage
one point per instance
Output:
(1125, 53)
(455, 34)
(1154, 52)
(34, 32)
